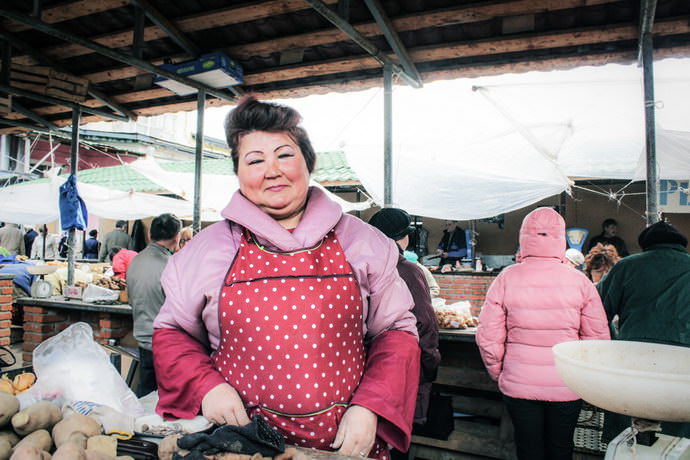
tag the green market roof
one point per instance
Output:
(331, 169)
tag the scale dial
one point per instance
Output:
(41, 289)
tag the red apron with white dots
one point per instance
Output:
(291, 338)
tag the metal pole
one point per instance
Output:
(200, 103)
(650, 123)
(73, 161)
(387, 136)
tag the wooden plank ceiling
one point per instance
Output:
(292, 48)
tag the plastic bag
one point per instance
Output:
(71, 367)
(455, 316)
(94, 293)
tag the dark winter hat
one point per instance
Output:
(661, 233)
(393, 222)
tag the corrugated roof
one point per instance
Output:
(332, 168)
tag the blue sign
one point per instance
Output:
(673, 195)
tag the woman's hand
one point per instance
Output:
(356, 433)
(223, 406)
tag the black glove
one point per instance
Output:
(258, 436)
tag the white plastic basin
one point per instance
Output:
(639, 379)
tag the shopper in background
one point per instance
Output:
(186, 234)
(600, 259)
(574, 258)
(396, 225)
(121, 258)
(91, 245)
(650, 294)
(117, 238)
(530, 307)
(45, 245)
(146, 293)
(12, 239)
(29, 238)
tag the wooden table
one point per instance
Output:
(487, 432)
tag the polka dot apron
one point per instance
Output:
(291, 338)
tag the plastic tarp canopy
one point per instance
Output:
(37, 203)
(491, 145)
(216, 189)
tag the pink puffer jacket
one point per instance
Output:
(534, 305)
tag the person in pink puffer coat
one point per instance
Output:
(530, 307)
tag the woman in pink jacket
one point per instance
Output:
(530, 307)
(288, 309)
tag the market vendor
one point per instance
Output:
(288, 308)
(453, 245)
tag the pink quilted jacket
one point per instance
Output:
(534, 305)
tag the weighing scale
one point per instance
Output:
(575, 237)
(41, 289)
(643, 380)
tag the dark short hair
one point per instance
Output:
(113, 252)
(165, 227)
(253, 115)
(608, 222)
(120, 224)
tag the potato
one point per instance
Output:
(29, 453)
(101, 443)
(9, 405)
(98, 455)
(5, 449)
(69, 451)
(75, 424)
(42, 415)
(39, 439)
(9, 436)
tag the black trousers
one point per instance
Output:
(543, 429)
(147, 373)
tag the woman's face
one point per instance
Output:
(273, 175)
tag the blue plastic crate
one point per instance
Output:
(216, 70)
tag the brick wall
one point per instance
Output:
(5, 309)
(41, 323)
(457, 287)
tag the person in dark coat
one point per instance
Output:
(608, 237)
(91, 245)
(29, 238)
(117, 238)
(395, 224)
(453, 246)
(146, 294)
(650, 294)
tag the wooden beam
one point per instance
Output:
(115, 55)
(207, 20)
(168, 27)
(42, 59)
(67, 11)
(660, 28)
(450, 16)
(470, 71)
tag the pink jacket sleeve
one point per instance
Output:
(593, 322)
(491, 332)
(184, 372)
(389, 386)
